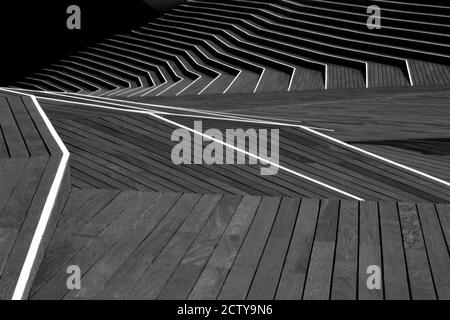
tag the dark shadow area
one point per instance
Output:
(163, 5)
(34, 34)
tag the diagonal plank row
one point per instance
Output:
(122, 150)
(29, 164)
(191, 246)
(400, 112)
(19, 133)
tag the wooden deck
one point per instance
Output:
(243, 46)
(365, 116)
(141, 228)
(220, 237)
(29, 163)
(400, 112)
(191, 246)
(435, 163)
(119, 150)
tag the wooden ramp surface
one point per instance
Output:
(127, 151)
(29, 159)
(401, 113)
(146, 245)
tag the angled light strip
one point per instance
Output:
(257, 157)
(234, 148)
(342, 143)
(27, 267)
(192, 110)
(404, 167)
(224, 116)
(146, 111)
(126, 104)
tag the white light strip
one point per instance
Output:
(258, 158)
(342, 143)
(27, 267)
(132, 104)
(232, 147)
(146, 111)
(311, 129)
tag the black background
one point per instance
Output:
(285, 310)
(33, 33)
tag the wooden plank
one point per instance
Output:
(77, 184)
(135, 170)
(158, 210)
(52, 222)
(82, 174)
(34, 201)
(80, 205)
(155, 277)
(11, 132)
(159, 234)
(95, 246)
(321, 164)
(417, 189)
(396, 286)
(369, 249)
(7, 238)
(107, 167)
(54, 286)
(268, 274)
(427, 163)
(240, 277)
(140, 214)
(239, 175)
(131, 134)
(82, 146)
(4, 153)
(345, 275)
(360, 177)
(17, 207)
(80, 208)
(44, 131)
(129, 152)
(161, 138)
(10, 173)
(444, 217)
(293, 278)
(318, 281)
(100, 245)
(420, 279)
(98, 172)
(213, 276)
(30, 134)
(186, 274)
(438, 254)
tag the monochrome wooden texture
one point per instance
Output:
(247, 46)
(361, 114)
(28, 175)
(232, 247)
(111, 148)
